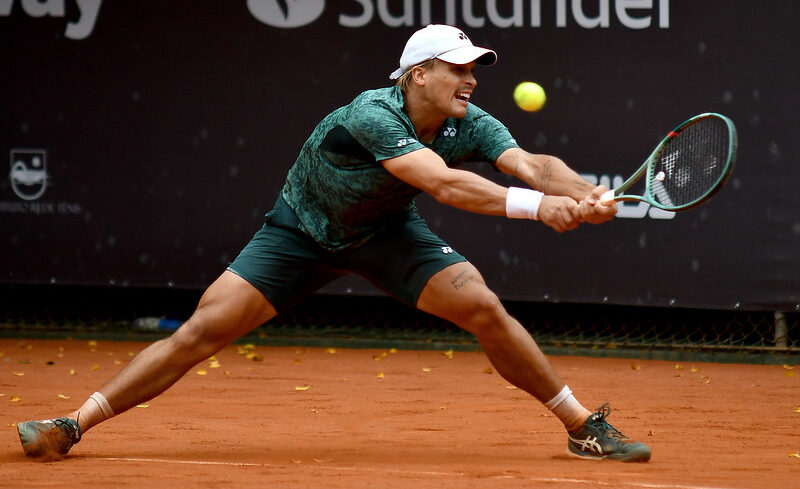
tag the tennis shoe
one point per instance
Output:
(597, 440)
(48, 438)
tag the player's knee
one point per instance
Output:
(486, 314)
(197, 339)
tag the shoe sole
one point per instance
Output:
(633, 458)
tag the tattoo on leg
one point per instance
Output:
(461, 279)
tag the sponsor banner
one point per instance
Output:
(144, 141)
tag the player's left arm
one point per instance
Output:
(550, 175)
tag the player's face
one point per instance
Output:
(450, 87)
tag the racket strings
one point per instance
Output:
(691, 163)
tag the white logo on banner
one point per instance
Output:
(29, 179)
(631, 14)
(286, 13)
(28, 173)
(632, 210)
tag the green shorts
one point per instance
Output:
(287, 266)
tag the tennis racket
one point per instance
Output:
(686, 168)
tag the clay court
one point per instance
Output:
(258, 416)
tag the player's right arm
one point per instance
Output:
(465, 190)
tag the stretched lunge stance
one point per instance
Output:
(348, 207)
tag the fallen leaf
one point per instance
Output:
(797, 410)
(787, 367)
(201, 372)
(795, 455)
(15, 398)
(636, 367)
(331, 350)
(511, 387)
(426, 369)
(302, 387)
(117, 362)
(95, 367)
(19, 374)
(380, 375)
(487, 370)
(62, 396)
(72, 371)
(393, 350)
(448, 353)
(92, 343)
(142, 406)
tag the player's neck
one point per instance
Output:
(425, 117)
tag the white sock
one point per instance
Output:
(566, 408)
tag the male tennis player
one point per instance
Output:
(348, 207)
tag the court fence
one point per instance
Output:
(763, 337)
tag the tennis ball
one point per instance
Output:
(529, 96)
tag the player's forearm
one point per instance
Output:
(546, 173)
(470, 192)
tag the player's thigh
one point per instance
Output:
(460, 295)
(228, 309)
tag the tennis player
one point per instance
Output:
(348, 207)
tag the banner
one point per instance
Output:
(144, 141)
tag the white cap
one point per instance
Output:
(443, 42)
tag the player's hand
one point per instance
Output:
(595, 212)
(560, 213)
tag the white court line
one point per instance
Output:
(643, 485)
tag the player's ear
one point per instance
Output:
(418, 75)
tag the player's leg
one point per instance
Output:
(229, 308)
(459, 294)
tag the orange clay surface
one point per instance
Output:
(325, 418)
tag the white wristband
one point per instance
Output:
(523, 203)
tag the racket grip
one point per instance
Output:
(607, 197)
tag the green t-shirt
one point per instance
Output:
(341, 193)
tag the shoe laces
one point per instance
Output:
(600, 419)
(73, 432)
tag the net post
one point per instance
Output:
(781, 340)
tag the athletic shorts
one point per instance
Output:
(287, 266)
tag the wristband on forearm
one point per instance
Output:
(523, 203)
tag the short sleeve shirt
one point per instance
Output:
(339, 189)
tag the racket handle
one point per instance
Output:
(607, 197)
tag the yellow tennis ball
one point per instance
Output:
(529, 96)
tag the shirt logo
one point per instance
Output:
(405, 142)
(449, 132)
(447, 250)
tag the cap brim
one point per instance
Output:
(468, 54)
(459, 56)
(396, 74)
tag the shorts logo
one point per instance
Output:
(449, 132)
(405, 142)
(286, 14)
(447, 250)
(28, 173)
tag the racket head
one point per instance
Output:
(689, 165)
